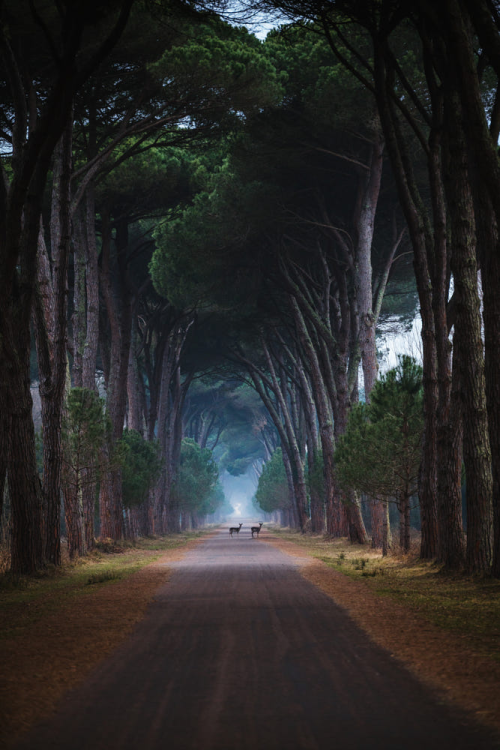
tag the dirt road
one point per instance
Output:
(239, 652)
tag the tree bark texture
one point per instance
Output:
(469, 343)
(365, 226)
(488, 243)
(53, 392)
(377, 517)
(491, 283)
(4, 454)
(25, 492)
(404, 523)
(74, 516)
(119, 312)
(134, 417)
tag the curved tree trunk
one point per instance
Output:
(324, 413)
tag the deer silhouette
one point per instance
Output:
(235, 529)
(256, 529)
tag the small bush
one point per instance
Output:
(359, 564)
(106, 575)
(108, 546)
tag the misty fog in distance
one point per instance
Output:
(239, 492)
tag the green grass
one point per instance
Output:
(457, 603)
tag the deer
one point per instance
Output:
(256, 530)
(235, 529)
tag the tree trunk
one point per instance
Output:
(291, 444)
(74, 517)
(79, 299)
(404, 523)
(357, 531)
(491, 284)
(386, 531)
(120, 326)
(451, 535)
(53, 396)
(4, 454)
(16, 299)
(314, 457)
(164, 485)
(323, 410)
(377, 517)
(489, 244)
(25, 491)
(468, 340)
(290, 514)
(92, 290)
(133, 395)
(365, 226)
(86, 332)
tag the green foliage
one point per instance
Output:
(197, 478)
(316, 476)
(241, 440)
(198, 257)
(216, 500)
(272, 491)
(222, 251)
(380, 452)
(221, 68)
(150, 182)
(242, 448)
(86, 429)
(313, 77)
(141, 467)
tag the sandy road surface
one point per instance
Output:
(239, 652)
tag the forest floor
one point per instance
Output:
(55, 629)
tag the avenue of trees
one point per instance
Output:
(202, 233)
